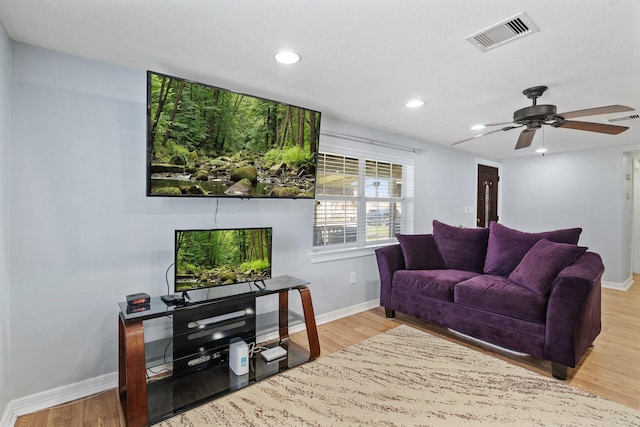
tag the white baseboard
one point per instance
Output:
(347, 311)
(619, 286)
(57, 396)
(8, 420)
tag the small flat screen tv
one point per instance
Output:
(207, 141)
(218, 257)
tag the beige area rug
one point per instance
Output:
(406, 377)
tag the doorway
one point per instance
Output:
(487, 195)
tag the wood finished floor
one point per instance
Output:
(611, 368)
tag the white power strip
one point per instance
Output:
(273, 353)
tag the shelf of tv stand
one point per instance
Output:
(168, 391)
(159, 352)
(191, 390)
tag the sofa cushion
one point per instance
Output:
(507, 246)
(420, 252)
(432, 283)
(542, 263)
(461, 248)
(496, 294)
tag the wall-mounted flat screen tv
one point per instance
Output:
(218, 257)
(208, 141)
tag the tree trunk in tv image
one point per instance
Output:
(204, 140)
(221, 257)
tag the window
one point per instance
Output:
(361, 201)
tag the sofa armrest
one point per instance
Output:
(390, 260)
(573, 312)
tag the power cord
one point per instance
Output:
(253, 349)
(164, 359)
(161, 371)
(166, 276)
(215, 214)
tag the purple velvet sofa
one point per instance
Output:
(535, 293)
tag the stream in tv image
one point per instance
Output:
(207, 258)
(207, 141)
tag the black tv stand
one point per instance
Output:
(188, 365)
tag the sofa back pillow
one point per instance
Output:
(461, 248)
(420, 252)
(507, 246)
(542, 263)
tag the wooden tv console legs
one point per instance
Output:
(309, 319)
(132, 381)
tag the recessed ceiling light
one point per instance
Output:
(287, 57)
(478, 127)
(415, 103)
(541, 150)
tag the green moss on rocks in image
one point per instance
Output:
(285, 192)
(193, 189)
(245, 172)
(240, 188)
(201, 175)
(166, 190)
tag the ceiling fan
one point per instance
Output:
(533, 117)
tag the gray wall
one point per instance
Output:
(5, 165)
(445, 184)
(83, 235)
(626, 224)
(636, 213)
(579, 189)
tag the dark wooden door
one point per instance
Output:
(487, 205)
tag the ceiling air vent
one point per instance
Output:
(513, 28)
(621, 119)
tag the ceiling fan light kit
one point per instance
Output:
(535, 116)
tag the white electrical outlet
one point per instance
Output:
(353, 278)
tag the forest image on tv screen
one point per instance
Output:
(206, 258)
(207, 141)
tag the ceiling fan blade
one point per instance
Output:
(486, 133)
(593, 127)
(498, 124)
(595, 111)
(526, 137)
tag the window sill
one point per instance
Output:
(345, 253)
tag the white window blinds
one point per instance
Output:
(361, 201)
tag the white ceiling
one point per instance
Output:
(363, 59)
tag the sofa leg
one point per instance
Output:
(559, 371)
(389, 313)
